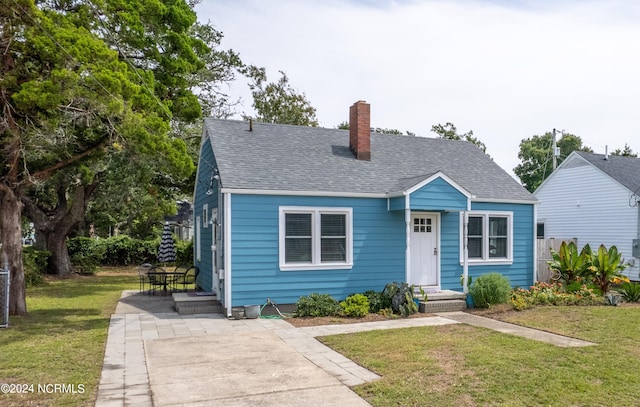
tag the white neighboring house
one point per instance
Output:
(594, 198)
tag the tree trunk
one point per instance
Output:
(52, 228)
(11, 239)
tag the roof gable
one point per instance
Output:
(623, 170)
(296, 158)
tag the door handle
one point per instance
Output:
(435, 251)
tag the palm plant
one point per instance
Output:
(606, 266)
(568, 263)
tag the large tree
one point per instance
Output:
(537, 159)
(450, 132)
(279, 102)
(82, 85)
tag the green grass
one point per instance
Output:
(62, 339)
(467, 366)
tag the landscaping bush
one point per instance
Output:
(554, 294)
(184, 252)
(317, 305)
(630, 292)
(401, 295)
(356, 305)
(123, 250)
(86, 254)
(35, 264)
(490, 289)
(377, 301)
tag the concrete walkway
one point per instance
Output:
(155, 357)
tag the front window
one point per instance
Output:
(489, 236)
(315, 238)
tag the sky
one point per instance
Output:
(507, 70)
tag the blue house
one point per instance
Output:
(282, 211)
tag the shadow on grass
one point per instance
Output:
(54, 322)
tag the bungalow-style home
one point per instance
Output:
(283, 211)
(594, 199)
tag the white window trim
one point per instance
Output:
(205, 215)
(197, 243)
(315, 238)
(486, 260)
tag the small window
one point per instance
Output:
(489, 236)
(475, 237)
(315, 238)
(205, 215)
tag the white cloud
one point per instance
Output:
(505, 71)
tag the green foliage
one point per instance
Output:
(554, 294)
(356, 305)
(625, 152)
(121, 250)
(450, 132)
(490, 289)
(401, 295)
(377, 301)
(317, 305)
(86, 254)
(126, 251)
(630, 292)
(35, 265)
(606, 267)
(184, 251)
(279, 102)
(568, 263)
(536, 160)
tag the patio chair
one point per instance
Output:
(157, 279)
(143, 269)
(187, 278)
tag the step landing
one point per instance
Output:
(442, 301)
(196, 303)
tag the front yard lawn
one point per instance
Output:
(460, 365)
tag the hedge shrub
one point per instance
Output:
(35, 265)
(490, 289)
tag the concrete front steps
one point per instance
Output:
(200, 303)
(441, 301)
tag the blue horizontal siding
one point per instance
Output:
(205, 166)
(438, 195)
(378, 250)
(520, 272)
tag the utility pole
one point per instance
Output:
(553, 151)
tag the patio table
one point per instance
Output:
(165, 279)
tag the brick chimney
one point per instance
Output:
(360, 130)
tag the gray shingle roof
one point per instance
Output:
(625, 170)
(296, 158)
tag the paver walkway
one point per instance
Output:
(153, 350)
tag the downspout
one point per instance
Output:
(407, 221)
(535, 243)
(227, 253)
(465, 250)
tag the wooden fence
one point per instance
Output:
(544, 247)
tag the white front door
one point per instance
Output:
(423, 267)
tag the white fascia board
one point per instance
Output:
(243, 191)
(513, 201)
(435, 176)
(426, 181)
